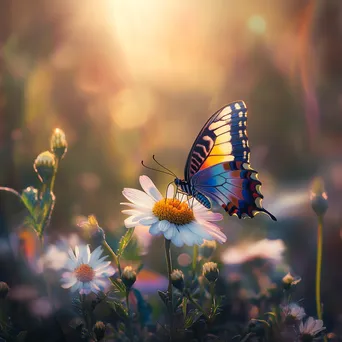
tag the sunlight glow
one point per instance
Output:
(257, 24)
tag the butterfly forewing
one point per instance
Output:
(223, 138)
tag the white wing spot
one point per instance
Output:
(237, 106)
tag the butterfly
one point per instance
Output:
(218, 169)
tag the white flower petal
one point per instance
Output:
(177, 240)
(150, 188)
(171, 231)
(164, 225)
(138, 197)
(101, 283)
(69, 283)
(207, 215)
(215, 232)
(94, 288)
(71, 254)
(77, 252)
(102, 266)
(71, 264)
(137, 207)
(95, 255)
(154, 229)
(134, 221)
(199, 229)
(131, 212)
(170, 191)
(76, 286)
(147, 221)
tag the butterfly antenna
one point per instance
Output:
(153, 169)
(165, 168)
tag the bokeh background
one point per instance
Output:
(129, 79)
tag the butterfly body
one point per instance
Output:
(189, 189)
(218, 169)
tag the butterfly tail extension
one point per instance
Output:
(251, 204)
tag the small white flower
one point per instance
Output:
(171, 216)
(294, 311)
(87, 272)
(311, 327)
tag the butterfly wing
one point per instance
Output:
(234, 185)
(223, 138)
(218, 163)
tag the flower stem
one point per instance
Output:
(212, 294)
(319, 266)
(169, 289)
(114, 256)
(169, 266)
(197, 306)
(194, 260)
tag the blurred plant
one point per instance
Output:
(319, 203)
(40, 202)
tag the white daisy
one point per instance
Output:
(293, 311)
(87, 272)
(171, 216)
(310, 329)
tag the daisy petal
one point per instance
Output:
(147, 221)
(170, 191)
(177, 240)
(207, 215)
(164, 225)
(150, 188)
(170, 232)
(154, 229)
(69, 284)
(138, 197)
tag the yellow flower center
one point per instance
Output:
(174, 211)
(84, 273)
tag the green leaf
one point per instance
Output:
(119, 309)
(164, 297)
(119, 285)
(246, 338)
(125, 241)
(185, 304)
(191, 318)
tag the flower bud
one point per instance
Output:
(210, 271)
(128, 277)
(58, 143)
(318, 197)
(4, 289)
(99, 330)
(177, 278)
(96, 233)
(44, 165)
(30, 196)
(289, 280)
(208, 248)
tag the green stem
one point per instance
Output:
(169, 266)
(212, 294)
(319, 266)
(194, 260)
(197, 306)
(52, 184)
(169, 289)
(113, 255)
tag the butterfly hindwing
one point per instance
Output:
(233, 185)
(222, 139)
